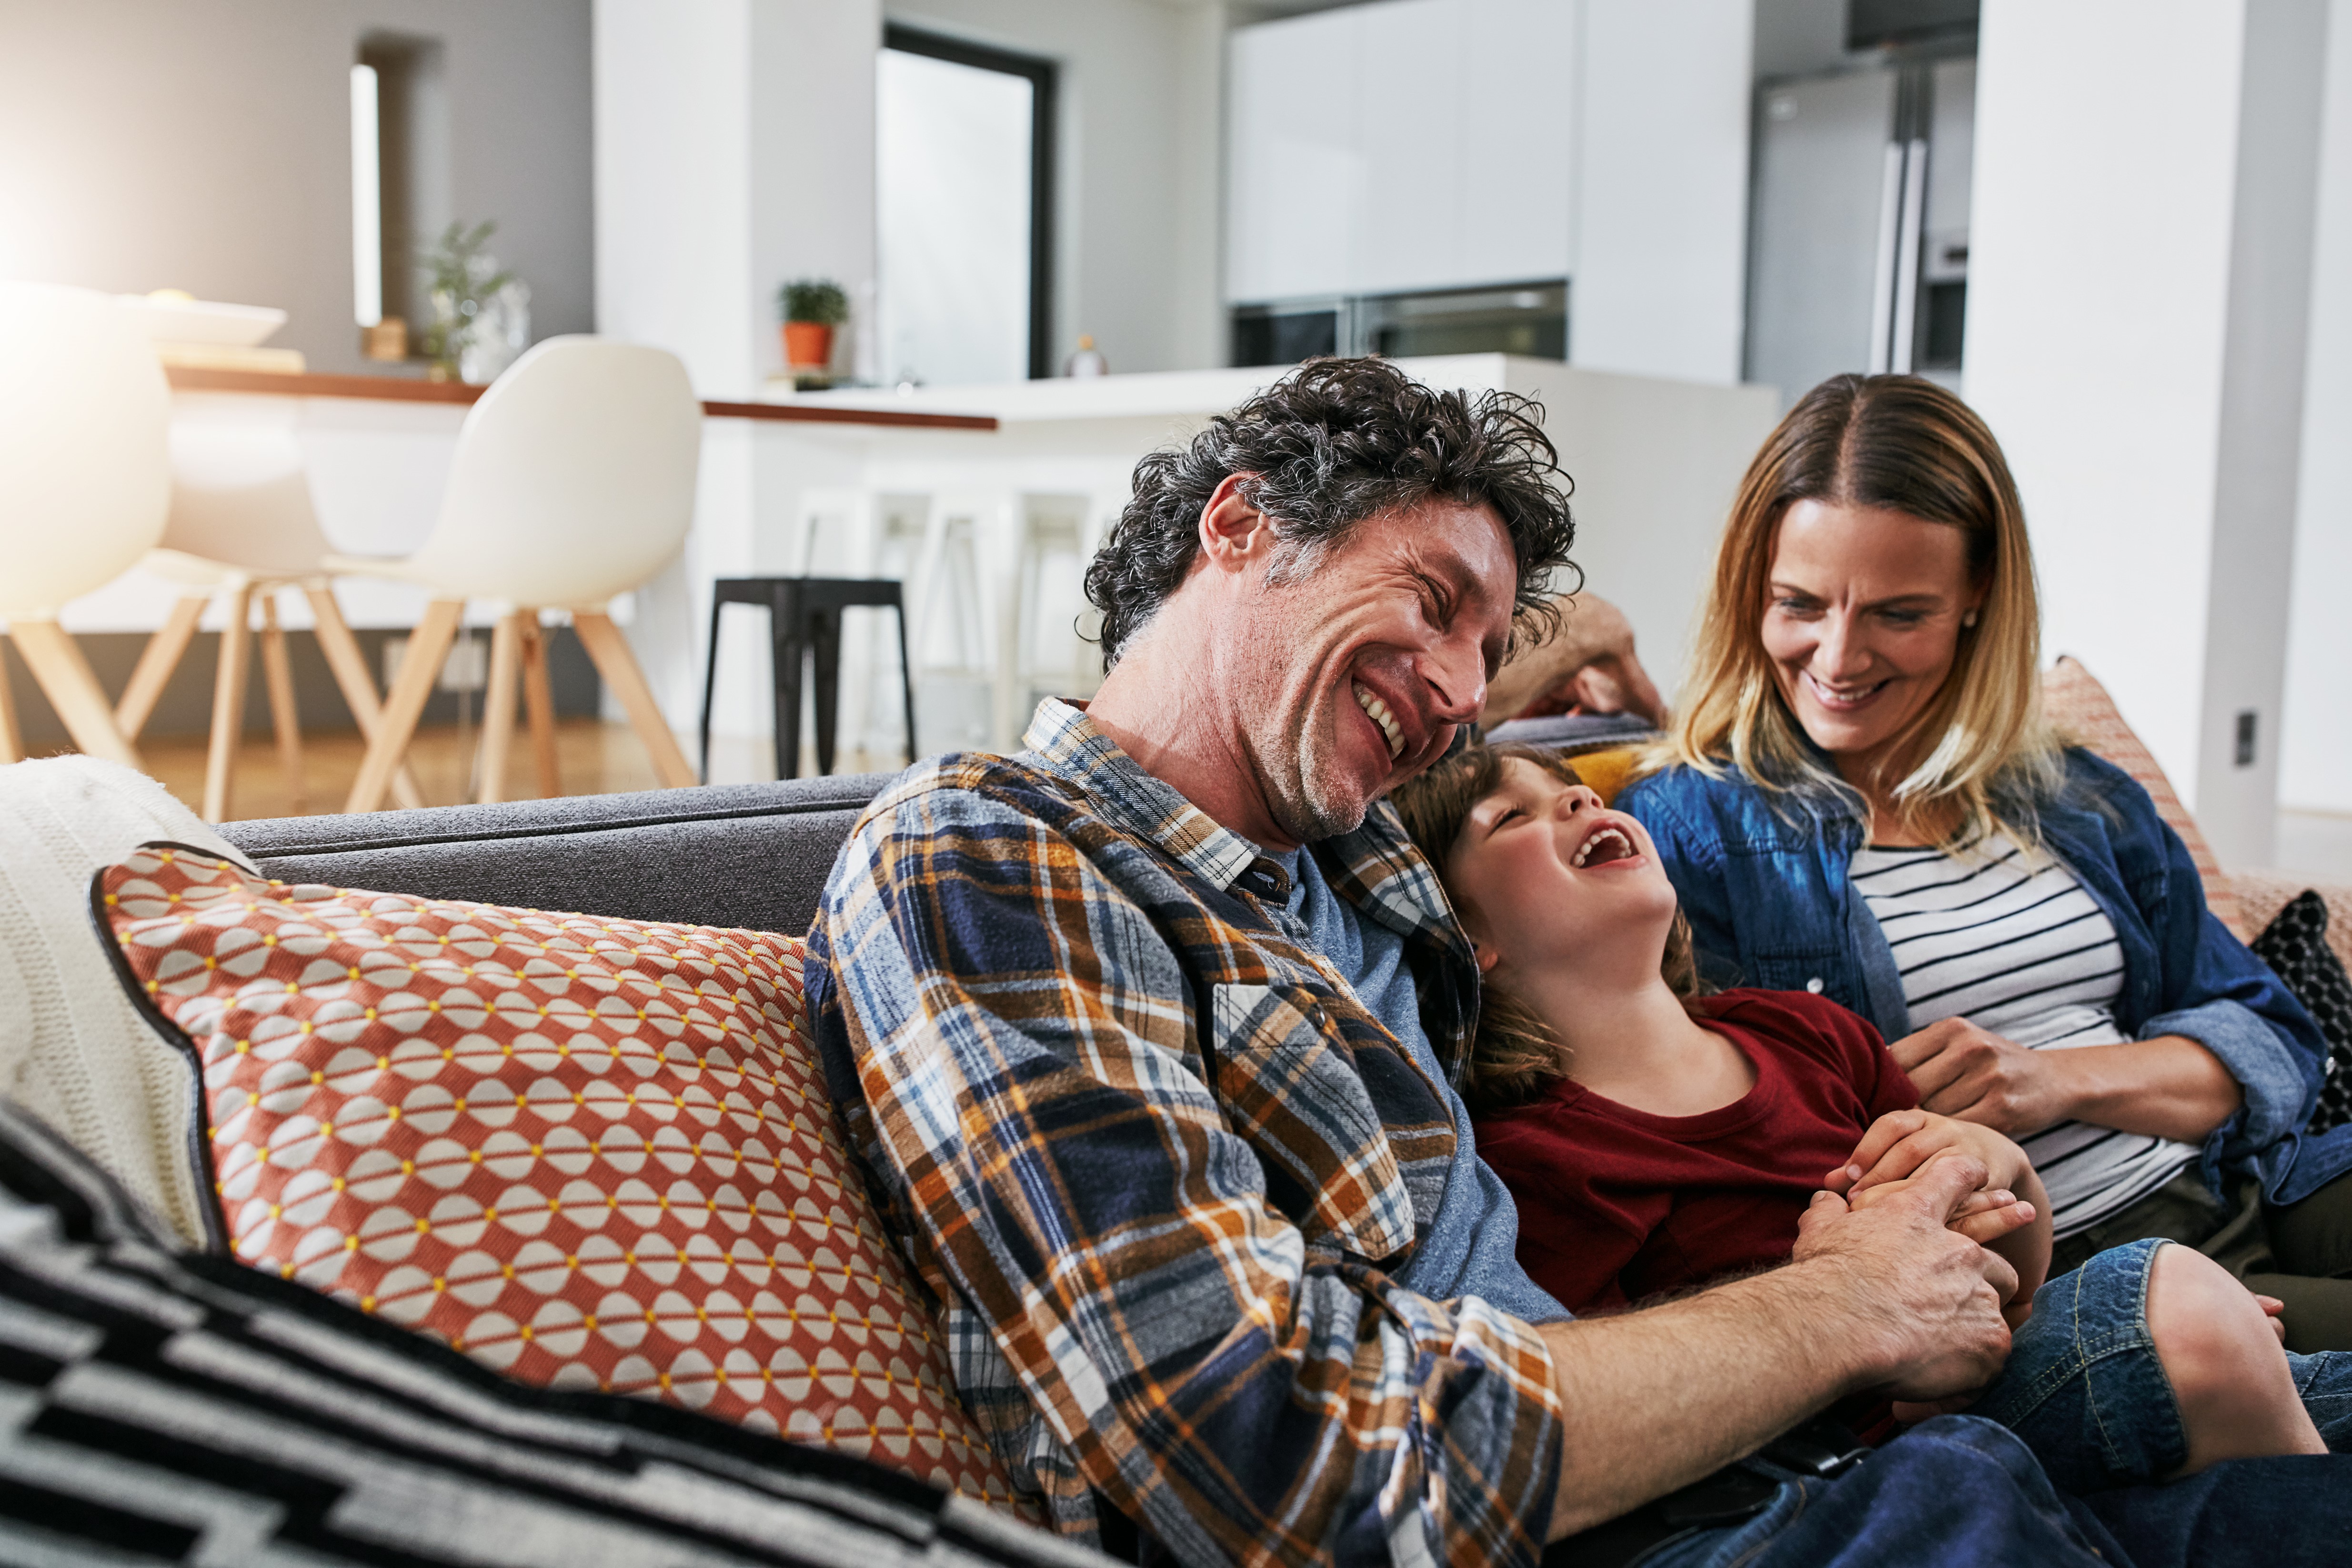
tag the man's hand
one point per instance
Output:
(1593, 635)
(1984, 1217)
(1974, 1075)
(1887, 1297)
(1934, 1295)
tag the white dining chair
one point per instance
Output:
(242, 528)
(573, 483)
(84, 482)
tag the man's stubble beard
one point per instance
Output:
(1301, 775)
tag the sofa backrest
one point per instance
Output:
(753, 856)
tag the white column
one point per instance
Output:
(2315, 740)
(2138, 294)
(1659, 281)
(734, 150)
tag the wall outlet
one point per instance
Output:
(466, 669)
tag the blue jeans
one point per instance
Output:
(2056, 1465)
(2086, 1391)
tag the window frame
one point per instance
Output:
(1044, 143)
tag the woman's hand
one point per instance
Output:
(1973, 1074)
(2167, 1087)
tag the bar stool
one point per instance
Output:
(804, 620)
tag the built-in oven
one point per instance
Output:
(1513, 319)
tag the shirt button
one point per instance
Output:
(1815, 986)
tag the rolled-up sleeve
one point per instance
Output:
(1025, 1079)
(2213, 990)
(2268, 1070)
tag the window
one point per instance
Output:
(964, 156)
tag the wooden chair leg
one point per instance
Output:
(344, 656)
(65, 678)
(12, 739)
(285, 717)
(499, 705)
(538, 697)
(228, 704)
(428, 644)
(618, 665)
(161, 657)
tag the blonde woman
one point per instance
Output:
(1860, 799)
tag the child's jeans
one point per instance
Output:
(2083, 1388)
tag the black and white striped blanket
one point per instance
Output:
(157, 1407)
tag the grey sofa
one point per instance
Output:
(753, 856)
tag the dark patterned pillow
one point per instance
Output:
(2295, 947)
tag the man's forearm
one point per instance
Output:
(1655, 1399)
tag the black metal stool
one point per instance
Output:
(804, 617)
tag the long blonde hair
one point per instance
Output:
(1979, 751)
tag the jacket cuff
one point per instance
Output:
(2264, 1066)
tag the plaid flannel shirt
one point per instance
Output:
(1157, 1161)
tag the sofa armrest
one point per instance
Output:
(2262, 894)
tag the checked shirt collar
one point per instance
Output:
(1375, 868)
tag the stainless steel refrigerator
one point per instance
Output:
(1858, 248)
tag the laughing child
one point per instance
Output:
(1656, 1141)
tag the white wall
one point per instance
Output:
(734, 150)
(1660, 276)
(205, 145)
(1137, 197)
(2149, 394)
(2315, 754)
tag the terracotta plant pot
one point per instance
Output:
(808, 345)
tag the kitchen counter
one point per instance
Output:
(402, 389)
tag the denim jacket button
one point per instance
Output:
(1815, 986)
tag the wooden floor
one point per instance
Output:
(593, 758)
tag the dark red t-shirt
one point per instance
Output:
(1616, 1205)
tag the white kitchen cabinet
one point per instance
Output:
(1409, 96)
(1404, 146)
(1295, 170)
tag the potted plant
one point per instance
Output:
(812, 308)
(481, 312)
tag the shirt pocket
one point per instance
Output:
(1291, 1091)
(1780, 908)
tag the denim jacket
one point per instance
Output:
(1764, 880)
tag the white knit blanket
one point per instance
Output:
(73, 1049)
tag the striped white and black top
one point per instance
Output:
(2008, 938)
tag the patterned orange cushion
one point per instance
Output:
(2074, 700)
(588, 1153)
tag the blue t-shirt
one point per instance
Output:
(1471, 1249)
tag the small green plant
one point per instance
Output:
(460, 280)
(819, 300)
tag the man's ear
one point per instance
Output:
(1487, 957)
(1234, 535)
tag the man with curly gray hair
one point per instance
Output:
(1147, 1038)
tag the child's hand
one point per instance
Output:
(2275, 1307)
(1901, 1141)
(1984, 1216)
